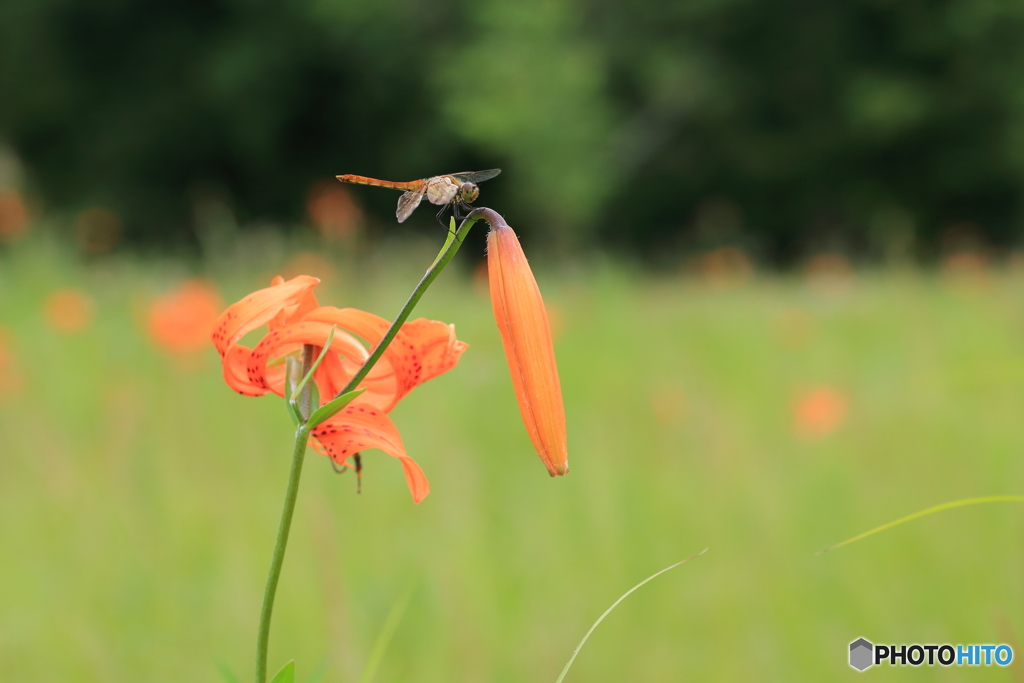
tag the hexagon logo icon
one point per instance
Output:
(861, 654)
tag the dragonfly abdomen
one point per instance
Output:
(363, 180)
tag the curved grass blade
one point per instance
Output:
(387, 631)
(616, 604)
(286, 674)
(927, 511)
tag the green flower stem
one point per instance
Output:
(285, 525)
(263, 640)
(451, 246)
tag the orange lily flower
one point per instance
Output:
(526, 335)
(421, 350)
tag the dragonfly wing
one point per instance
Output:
(476, 176)
(408, 202)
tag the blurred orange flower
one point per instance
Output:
(526, 335)
(726, 268)
(333, 211)
(819, 412)
(13, 215)
(668, 404)
(181, 320)
(966, 271)
(68, 310)
(829, 274)
(310, 262)
(422, 350)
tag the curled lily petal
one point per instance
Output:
(292, 337)
(422, 350)
(295, 308)
(526, 336)
(235, 365)
(360, 427)
(258, 309)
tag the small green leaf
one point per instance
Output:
(293, 368)
(316, 364)
(451, 234)
(314, 397)
(329, 410)
(447, 242)
(286, 674)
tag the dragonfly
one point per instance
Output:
(455, 189)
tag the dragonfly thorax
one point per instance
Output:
(441, 190)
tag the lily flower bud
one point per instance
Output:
(526, 335)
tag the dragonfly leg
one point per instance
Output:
(460, 210)
(440, 215)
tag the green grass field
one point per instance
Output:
(139, 497)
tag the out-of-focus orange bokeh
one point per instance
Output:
(333, 211)
(726, 268)
(68, 310)
(966, 272)
(819, 411)
(829, 273)
(10, 373)
(668, 404)
(181, 320)
(310, 263)
(13, 215)
(97, 230)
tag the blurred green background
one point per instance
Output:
(765, 417)
(786, 125)
(780, 246)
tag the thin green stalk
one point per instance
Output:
(292, 493)
(615, 604)
(451, 246)
(285, 525)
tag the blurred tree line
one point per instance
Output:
(781, 125)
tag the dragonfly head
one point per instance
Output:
(469, 192)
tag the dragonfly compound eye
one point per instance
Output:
(470, 192)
